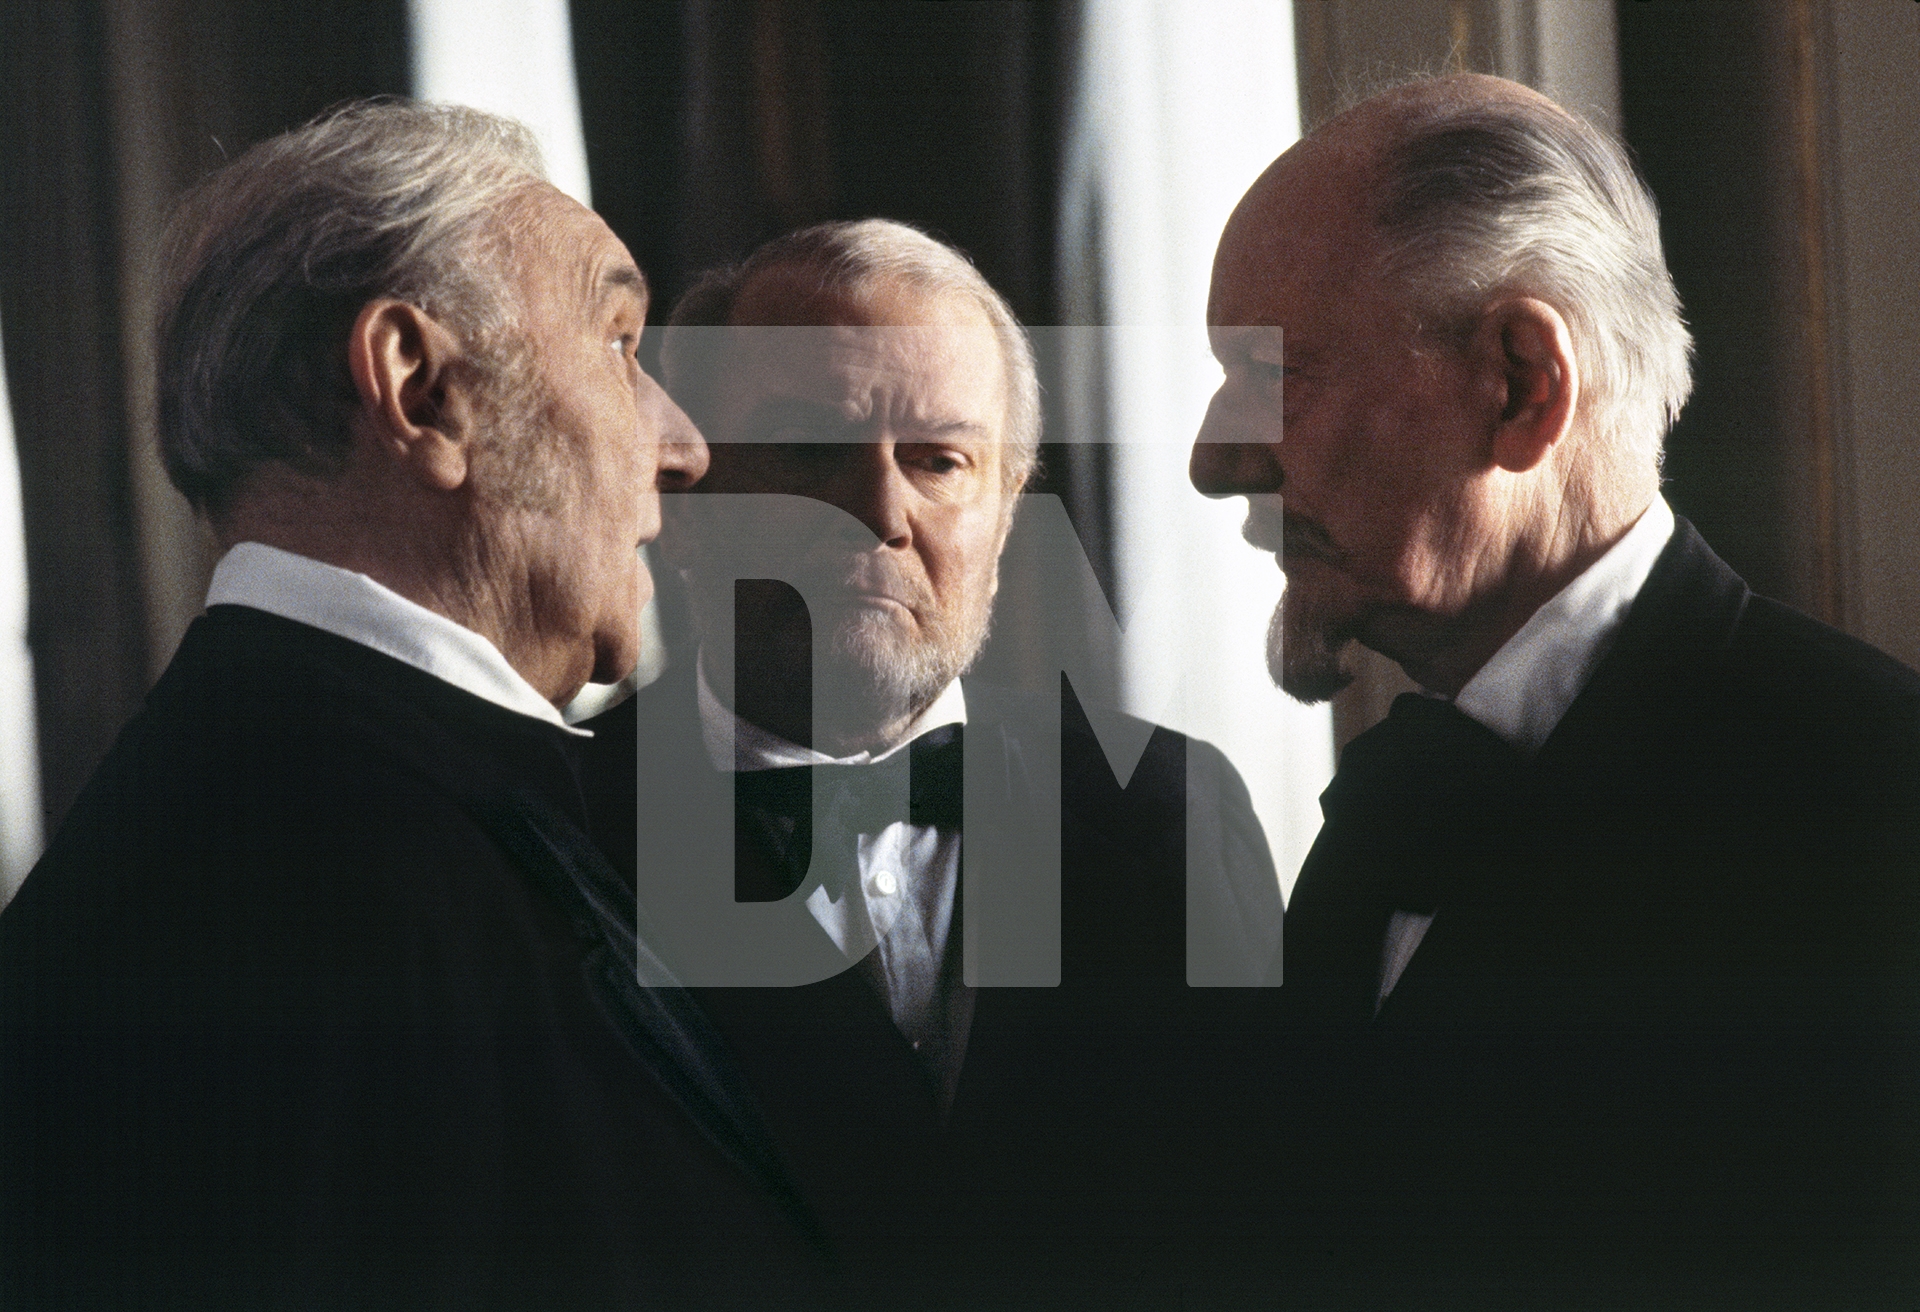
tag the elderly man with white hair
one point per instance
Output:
(1604, 963)
(873, 401)
(321, 997)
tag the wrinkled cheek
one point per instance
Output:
(616, 627)
(1453, 548)
(1408, 580)
(1431, 583)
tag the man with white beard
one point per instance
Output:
(869, 372)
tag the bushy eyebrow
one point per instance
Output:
(959, 428)
(618, 278)
(775, 411)
(784, 412)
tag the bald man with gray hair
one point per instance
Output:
(1605, 959)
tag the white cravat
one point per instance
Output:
(1528, 685)
(908, 873)
(354, 607)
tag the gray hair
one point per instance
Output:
(269, 260)
(849, 256)
(1482, 198)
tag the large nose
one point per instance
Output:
(1224, 463)
(874, 489)
(683, 452)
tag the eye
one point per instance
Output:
(625, 344)
(939, 462)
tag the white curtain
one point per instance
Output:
(512, 57)
(20, 824)
(1182, 103)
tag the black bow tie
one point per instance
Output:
(1427, 761)
(1422, 795)
(773, 809)
(1423, 811)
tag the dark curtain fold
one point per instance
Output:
(59, 300)
(108, 109)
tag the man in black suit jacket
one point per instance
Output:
(1602, 972)
(1078, 1133)
(316, 998)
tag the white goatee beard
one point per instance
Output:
(877, 669)
(881, 674)
(1303, 657)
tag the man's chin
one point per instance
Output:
(1305, 664)
(876, 671)
(616, 654)
(617, 631)
(875, 668)
(1311, 687)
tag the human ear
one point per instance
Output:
(416, 403)
(1528, 344)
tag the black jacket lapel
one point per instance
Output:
(689, 1059)
(1683, 618)
(670, 1034)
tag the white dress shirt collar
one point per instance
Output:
(1531, 681)
(735, 745)
(354, 607)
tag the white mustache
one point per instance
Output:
(1263, 532)
(1290, 535)
(869, 575)
(1309, 541)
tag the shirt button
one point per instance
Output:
(885, 884)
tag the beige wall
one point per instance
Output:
(1873, 178)
(1565, 48)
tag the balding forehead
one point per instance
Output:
(1332, 171)
(1304, 234)
(1316, 193)
(787, 295)
(1379, 121)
